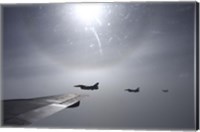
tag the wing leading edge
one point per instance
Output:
(27, 111)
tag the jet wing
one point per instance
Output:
(26, 111)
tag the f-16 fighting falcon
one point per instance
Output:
(133, 90)
(84, 87)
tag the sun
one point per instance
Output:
(88, 13)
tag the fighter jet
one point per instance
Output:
(133, 90)
(17, 112)
(84, 87)
(165, 90)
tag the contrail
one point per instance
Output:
(98, 40)
(98, 21)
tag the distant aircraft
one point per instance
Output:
(165, 90)
(84, 87)
(17, 112)
(133, 90)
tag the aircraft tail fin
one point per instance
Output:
(96, 84)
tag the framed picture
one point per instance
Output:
(116, 65)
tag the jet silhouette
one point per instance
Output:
(133, 90)
(84, 87)
(165, 90)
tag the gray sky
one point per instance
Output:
(49, 48)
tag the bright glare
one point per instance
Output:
(89, 13)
